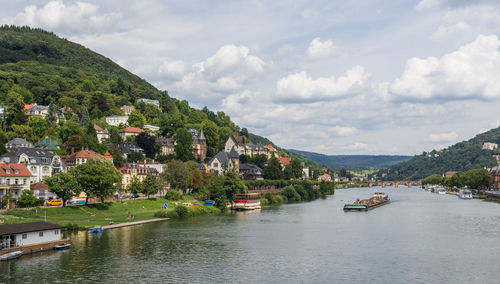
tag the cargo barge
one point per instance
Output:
(378, 199)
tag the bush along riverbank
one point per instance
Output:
(299, 192)
(180, 211)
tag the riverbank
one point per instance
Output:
(117, 212)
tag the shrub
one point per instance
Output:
(291, 195)
(182, 211)
(173, 195)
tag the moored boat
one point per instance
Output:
(465, 194)
(11, 255)
(62, 246)
(96, 230)
(441, 191)
(248, 201)
(378, 199)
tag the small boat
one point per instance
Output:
(62, 246)
(441, 191)
(11, 255)
(209, 203)
(96, 230)
(465, 194)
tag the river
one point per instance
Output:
(420, 237)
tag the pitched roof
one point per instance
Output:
(233, 154)
(48, 144)
(86, 154)
(169, 142)
(108, 156)
(39, 185)
(249, 166)
(14, 170)
(285, 160)
(130, 129)
(35, 155)
(27, 227)
(28, 106)
(19, 142)
(98, 128)
(270, 148)
(128, 147)
(223, 157)
(238, 140)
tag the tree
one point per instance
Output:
(136, 119)
(184, 146)
(117, 155)
(39, 127)
(28, 199)
(133, 157)
(476, 179)
(171, 124)
(70, 128)
(197, 177)
(85, 118)
(296, 167)
(64, 185)
(273, 170)
(233, 185)
(244, 132)
(151, 185)
(15, 108)
(97, 177)
(458, 180)
(177, 175)
(433, 179)
(114, 136)
(53, 113)
(290, 193)
(135, 186)
(146, 142)
(211, 132)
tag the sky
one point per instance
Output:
(333, 77)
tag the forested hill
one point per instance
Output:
(353, 161)
(462, 156)
(37, 66)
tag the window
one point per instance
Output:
(25, 236)
(56, 232)
(40, 234)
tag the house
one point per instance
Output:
(251, 172)
(18, 143)
(14, 178)
(495, 183)
(102, 134)
(490, 146)
(116, 120)
(129, 147)
(167, 145)
(40, 163)
(325, 177)
(497, 157)
(284, 161)
(3, 112)
(151, 102)
(152, 165)
(36, 110)
(41, 190)
(24, 235)
(256, 149)
(236, 142)
(152, 127)
(199, 145)
(82, 156)
(132, 170)
(130, 131)
(223, 162)
(449, 174)
(127, 109)
(48, 144)
(305, 171)
(271, 151)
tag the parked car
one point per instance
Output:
(134, 195)
(187, 204)
(54, 202)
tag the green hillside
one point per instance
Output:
(462, 157)
(37, 66)
(354, 162)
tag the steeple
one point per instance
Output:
(202, 136)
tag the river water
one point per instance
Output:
(420, 237)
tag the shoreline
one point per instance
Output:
(133, 223)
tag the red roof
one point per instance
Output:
(285, 161)
(22, 170)
(108, 156)
(39, 185)
(27, 107)
(270, 148)
(131, 129)
(86, 153)
(97, 128)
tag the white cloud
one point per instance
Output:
(57, 16)
(342, 130)
(309, 13)
(320, 50)
(299, 87)
(471, 72)
(427, 4)
(173, 69)
(442, 137)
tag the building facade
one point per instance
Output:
(116, 120)
(14, 178)
(40, 163)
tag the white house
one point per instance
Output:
(26, 234)
(14, 178)
(151, 127)
(102, 134)
(116, 120)
(223, 162)
(39, 162)
(490, 146)
(238, 142)
(148, 101)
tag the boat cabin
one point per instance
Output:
(25, 234)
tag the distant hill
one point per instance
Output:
(462, 156)
(353, 161)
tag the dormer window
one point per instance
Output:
(16, 171)
(7, 171)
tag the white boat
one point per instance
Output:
(62, 246)
(381, 194)
(441, 191)
(11, 255)
(248, 201)
(465, 194)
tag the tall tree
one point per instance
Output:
(184, 146)
(64, 185)
(273, 169)
(146, 142)
(15, 108)
(151, 185)
(177, 175)
(136, 119)
(97, 177)
(211, 131)
(53, 113)
(135, 186)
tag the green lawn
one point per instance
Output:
(93, 214)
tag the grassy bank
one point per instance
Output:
(92, 214)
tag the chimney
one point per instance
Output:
(72, 150)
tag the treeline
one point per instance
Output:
(474, 179)
(300, 191)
